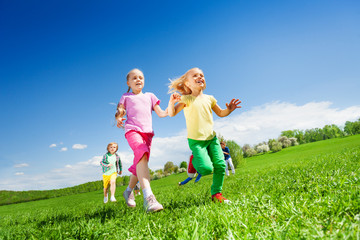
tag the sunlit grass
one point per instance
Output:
(308, 191)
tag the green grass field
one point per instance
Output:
(303, 192)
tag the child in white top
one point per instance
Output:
(111, 166)
(138, 106)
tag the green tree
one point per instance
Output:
(169, 167)
(352, 128)
(299, 134)
(288, 133)
(183, 164)
(236, 153)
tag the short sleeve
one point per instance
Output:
(154, 100)
(122, 101)
(213, 101)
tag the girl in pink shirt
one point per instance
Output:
(138, 106)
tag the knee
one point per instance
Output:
(221, 166)
(205, 170)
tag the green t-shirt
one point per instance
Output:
(111, 159)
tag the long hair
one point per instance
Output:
(178, 84)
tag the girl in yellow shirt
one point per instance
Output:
(198, 108)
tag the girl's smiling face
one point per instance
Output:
(195, 80)
(136, 81)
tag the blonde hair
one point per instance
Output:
(120, 112)
(110, 144)
(178, 84)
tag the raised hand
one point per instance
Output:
(175, 97)
(234, 104)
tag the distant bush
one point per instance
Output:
(274, 145)
(169, 167)
(352, 128)
(294, 141)
(285, 142)
(183, 164)
(245, 147)
(236, 153)
(262, 148)
(250, 152)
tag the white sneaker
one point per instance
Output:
(129, 198)
(112, 199)
(152, 205)
(105, 199)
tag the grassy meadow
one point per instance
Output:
(304, 192)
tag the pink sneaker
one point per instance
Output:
(129, 198)
(152, 205)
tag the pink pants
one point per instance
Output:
(140, 143)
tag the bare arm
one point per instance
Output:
(234, 104)
(119, 115)
(172, 108)
(161, 113)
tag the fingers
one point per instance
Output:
(234, 103)
(175, 97)
(120, 122)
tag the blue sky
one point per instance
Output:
(294, 64)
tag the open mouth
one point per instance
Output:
(200, 81)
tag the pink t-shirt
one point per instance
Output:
(138, 111)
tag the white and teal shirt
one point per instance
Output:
(113, 159)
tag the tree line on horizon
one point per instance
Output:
(238, 154)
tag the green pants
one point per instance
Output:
(208, 158)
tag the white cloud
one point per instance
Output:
(252, 126)
(52, 145)
(114, 104)
(64, 149)
(267, 121)
(21, 165)
(256, 125)
(79, 146)
(19, 173)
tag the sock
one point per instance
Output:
(129, 189)
(147, 192)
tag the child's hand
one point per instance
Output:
(175, 97)
(120, 172)
(110, 165)
(120, 122)
(233, 104)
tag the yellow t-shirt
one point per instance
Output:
(199, 117)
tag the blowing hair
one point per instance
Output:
(178, 84)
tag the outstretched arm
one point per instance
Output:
(234, 104)
(161, 113)
(172, 108)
